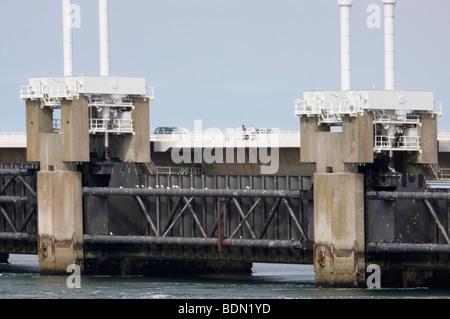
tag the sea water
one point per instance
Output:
(20, 279)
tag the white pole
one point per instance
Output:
(68, 37)
(389, 44)
(345, 6)
(104, 37)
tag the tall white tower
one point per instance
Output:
(68, 37)
(346, 82)
(389, 44)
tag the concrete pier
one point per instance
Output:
(338, 197)
(123, 133)
(339, 230)
(59, 185)
(60, 223)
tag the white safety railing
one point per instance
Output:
(400, 117)
(49, 93)
(394, 143)
(307, 107)
(110, 126)
(345, 107)
(102, 102)
(151, 93)
(30, 92)
(234, 139)
(438, 108)
(331, 113)
(63, 92)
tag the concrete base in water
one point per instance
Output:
(60, 221)
(339, 230)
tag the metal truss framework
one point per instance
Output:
(230, 217)
(244, 219)
(18, 209)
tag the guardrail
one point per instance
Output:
(110, 126)
(206, 139)
(392, 143)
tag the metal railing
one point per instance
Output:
(228, 139)
(110, 126)
(400, 117)
(439, 173)
(151, 93)
(393, 143)
(193, 171)
(30, 92)
(304, 107)
(102, 102)
(329, 114)
(438, 108)
(49, 93)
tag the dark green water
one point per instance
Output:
(20, 280)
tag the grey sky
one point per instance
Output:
(225, 62)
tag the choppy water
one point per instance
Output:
(20, 280)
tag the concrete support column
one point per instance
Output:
(137, 147)
(39, 120)
(357, 145)
(60, 223)
(75, 129)
(339, 247)
(429, 139)
(59, 184)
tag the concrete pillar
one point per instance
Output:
(59, 184)
(60, 222)
(75, 129)
(357, 140)
(429, 139)
(339, 246)
(308, 133)
(136, 147)
(39, 120)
